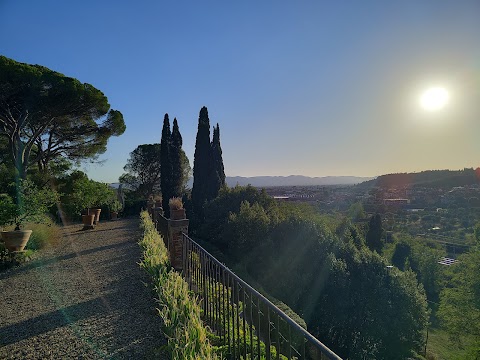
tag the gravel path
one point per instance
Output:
(85, 298)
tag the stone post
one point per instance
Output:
(175, 240)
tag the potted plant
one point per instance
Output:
(102, 194)
(83, 197)
(177, 212)
(31, 205)
(88, 196)
(115, 207)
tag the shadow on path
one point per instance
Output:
(50, 321)
(45, 262)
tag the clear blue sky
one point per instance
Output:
(299, 87)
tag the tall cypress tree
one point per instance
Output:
(202, 165)
(166, 165)
(218, 173)
(374, 236)
(176, 160)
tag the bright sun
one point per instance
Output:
(434, 98)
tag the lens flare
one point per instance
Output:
(434, 99)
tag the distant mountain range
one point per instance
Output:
(429, 178)
(294, 180)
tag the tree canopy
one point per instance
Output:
(347, 294)
(46, 115)
(143, 170)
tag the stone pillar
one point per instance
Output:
(175, 241)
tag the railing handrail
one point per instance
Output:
(325, 350)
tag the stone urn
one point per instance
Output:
(96, 212)
(88, 221)
(16, 240)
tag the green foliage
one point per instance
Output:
(175, 165)
(46, 116)
(8, 210)
(374, 237)
(202, 166)
(217, 212)
(208, 170)
(166, 165)
(414, 254)
(476, 232)
(8, 259)
(460, 300)
(356, 212)
(218, 173)
(187, 337)
(179, 175)
(246, 227)
(365, 310)
(30, 204)
(115, 205)
(401, 255)
(143, 171)
(345, 292)
(80, 193)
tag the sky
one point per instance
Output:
(315, 88)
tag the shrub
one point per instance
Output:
(43, 235)
(8, 259)
(187, 337)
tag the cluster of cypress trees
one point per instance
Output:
(208, 170)
(170, 163)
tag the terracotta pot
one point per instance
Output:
(114, 215)
(88, 221)
(16, 240)
(177, 214)
(96, 212)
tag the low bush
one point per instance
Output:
(45, 234)
(8, 259)
(183, 327)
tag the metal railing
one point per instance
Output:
(247, 324)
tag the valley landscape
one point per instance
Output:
(128, 228)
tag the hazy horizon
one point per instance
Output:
(311, 88)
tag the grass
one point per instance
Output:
(43, 235)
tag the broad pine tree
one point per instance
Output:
(202, 165)
(176, 161)
(166, 165)
(218, 173)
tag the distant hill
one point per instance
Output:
(429, 178)
(294, 180)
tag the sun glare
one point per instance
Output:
(434, 99)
